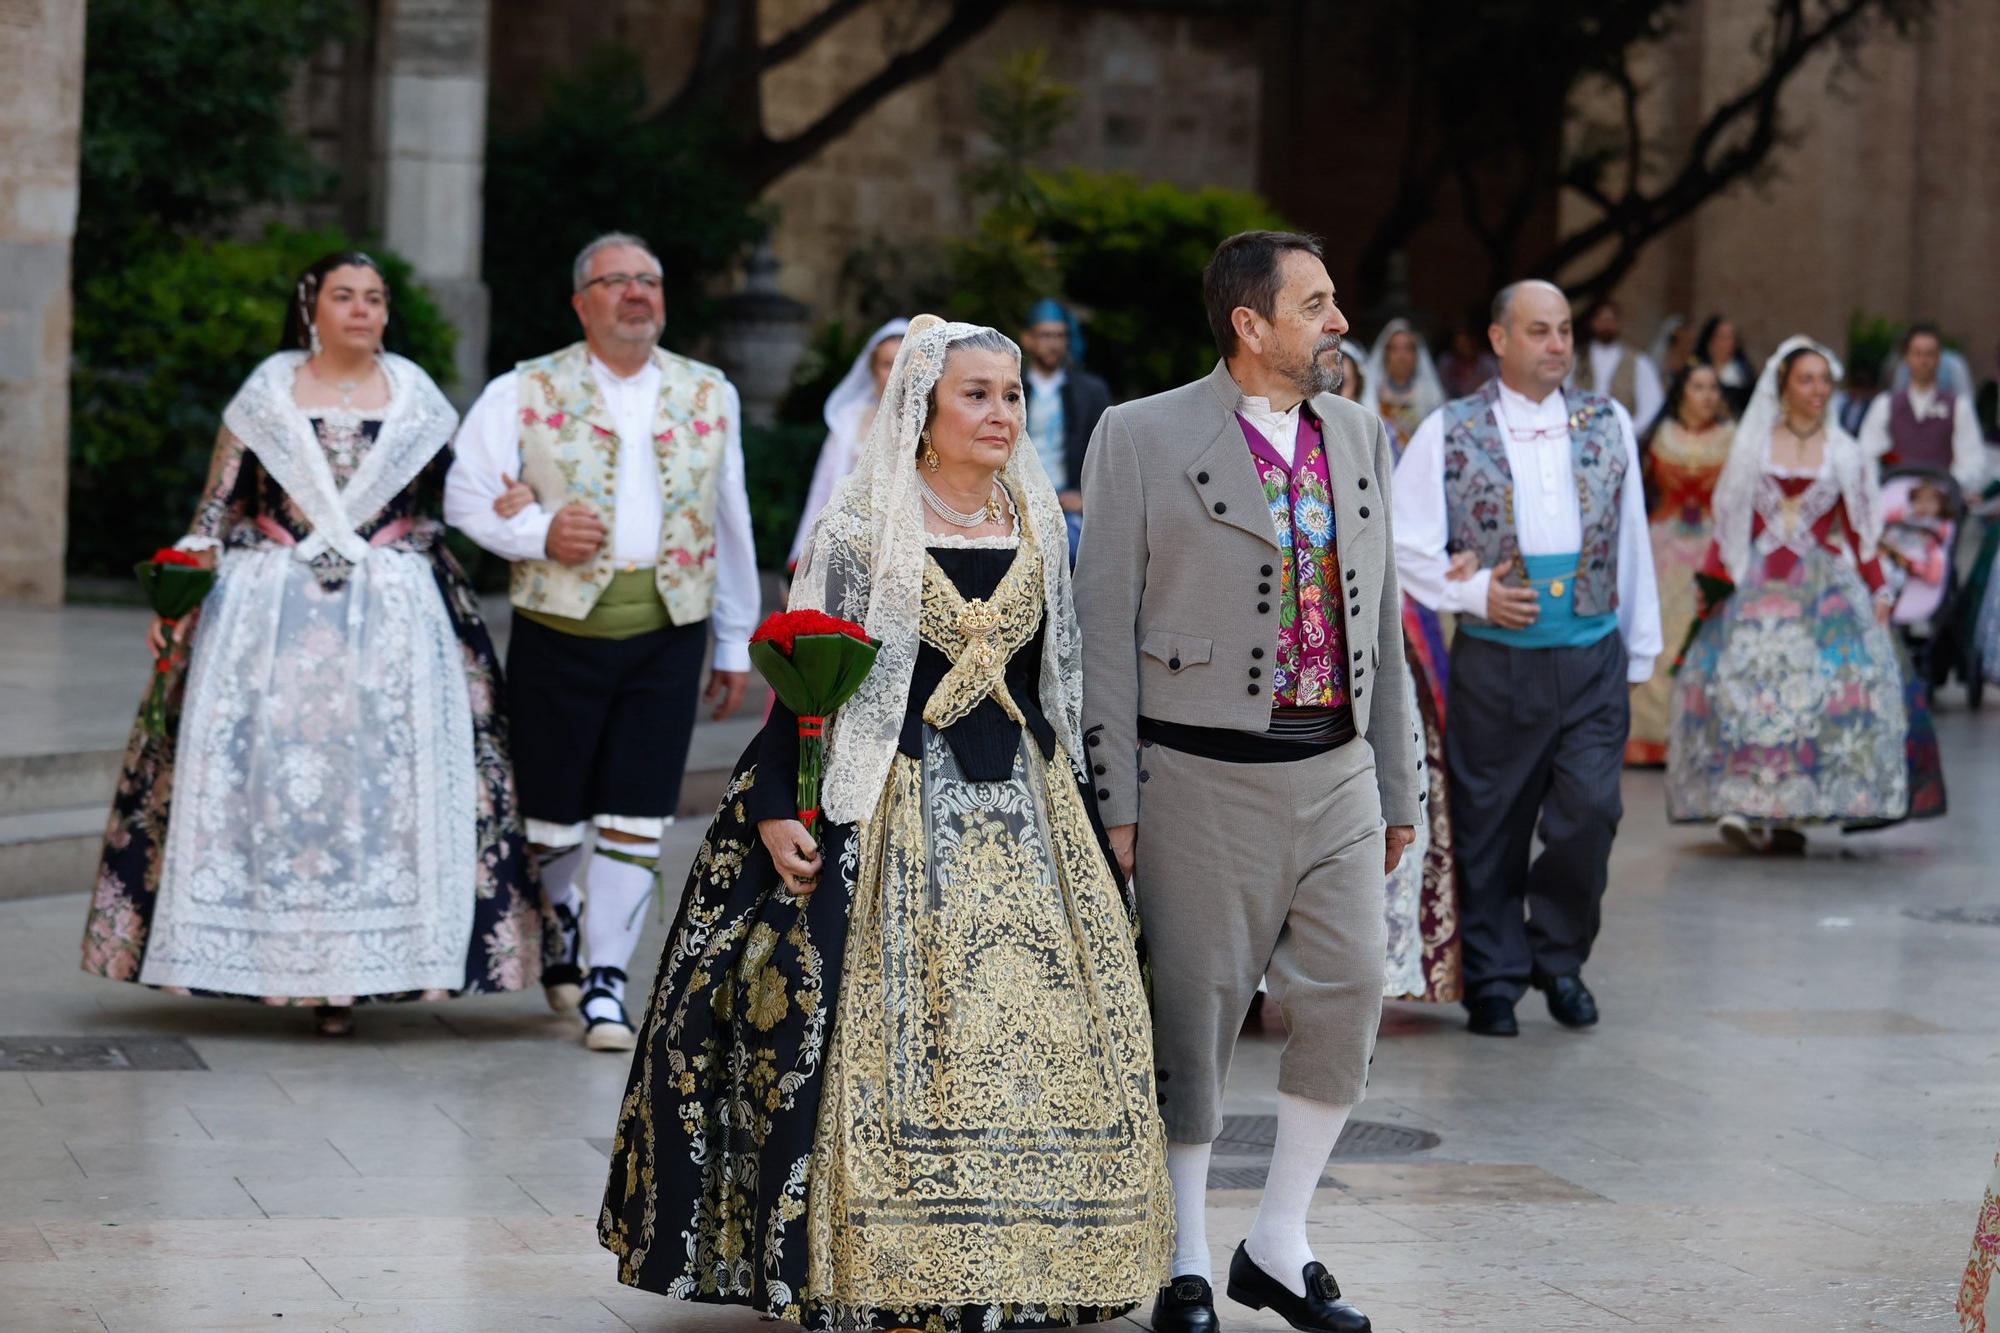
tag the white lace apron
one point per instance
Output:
(322, 835)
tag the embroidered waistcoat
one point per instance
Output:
(1310, 670)
(1925, 442)
(569, 452)
(1479, 489)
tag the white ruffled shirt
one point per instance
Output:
(1547, 517)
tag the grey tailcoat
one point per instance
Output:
(1176, 581)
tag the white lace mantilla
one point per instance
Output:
(865, 562)
(323, 832)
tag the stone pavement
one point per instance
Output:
(1782, 1126)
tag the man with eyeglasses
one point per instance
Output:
(610, 475)
(1543, 485)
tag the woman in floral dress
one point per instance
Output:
(903, 1075)
(1685, 452)
(1789, 708)
(330, 817)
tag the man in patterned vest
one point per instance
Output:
(610, 475)
(1543, 486)
(1249, 734)
(1615, 370)
(1925, 424)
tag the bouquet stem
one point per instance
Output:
(154, 715)
(812, 765)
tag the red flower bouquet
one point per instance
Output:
(814, 662)
(175, 582)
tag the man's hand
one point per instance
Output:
(1071, 501)
(576, 534)
(1463, 566)
(793, 852)
(514, 499)
(1124, 846)
(728, 687)
(1510, 608)
(1396, 837)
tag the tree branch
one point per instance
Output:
(771, 159)
(794, 43)
(1749, 124)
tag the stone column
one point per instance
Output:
(41, 111)
(433, 160)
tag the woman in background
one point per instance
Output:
(1400, 382)
(849, 411)
(1719, 345)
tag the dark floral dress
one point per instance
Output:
(245, 508)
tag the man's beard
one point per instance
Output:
(1314, 377)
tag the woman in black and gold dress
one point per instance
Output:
(906, 1077)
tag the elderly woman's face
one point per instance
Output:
(979, 410)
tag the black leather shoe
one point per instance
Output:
(1185, 1305)
(1570, 1001)
(1491, 1016)
(1320, 1310)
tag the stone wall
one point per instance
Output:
(1888, 201)
(41, 108)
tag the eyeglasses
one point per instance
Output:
(647, 281)
(1521, 436)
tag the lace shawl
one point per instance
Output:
(865, 562)
(263, 415)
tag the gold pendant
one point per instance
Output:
(1556, 588)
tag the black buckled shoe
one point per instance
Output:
(1185, 1305)
(562, 978)
(1570, 1001)
(1320, 1310)
(1491, 1016)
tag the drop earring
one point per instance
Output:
(930, 452)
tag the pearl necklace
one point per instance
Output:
(991, 512)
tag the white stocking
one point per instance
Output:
(615, 914)
(1307, 1132)
(559, 877)
(1187, 1165)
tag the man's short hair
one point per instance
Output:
(580, 271)
(1923, 329)
(1245, 270)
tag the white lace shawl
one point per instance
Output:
(263, 415)
(865, 562)
(1750, 458)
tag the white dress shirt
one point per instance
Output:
(1280, 429)
(1968, 443)
(1547, 518)
(1045, 407)
(489, 445)
(1647, 394)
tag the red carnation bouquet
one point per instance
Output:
(175, 583)
(814, 662)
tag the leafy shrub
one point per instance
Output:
(590, 164)
(779, 461)
(161, 345)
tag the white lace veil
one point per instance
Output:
(1750, 457)
(856, 389)
(1428, 388)
(865, 562)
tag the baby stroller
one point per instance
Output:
(1922, 511)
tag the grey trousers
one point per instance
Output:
(1254, 870)
(1535, 737)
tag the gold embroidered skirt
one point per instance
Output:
(989, 1134)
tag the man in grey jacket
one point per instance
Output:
(1250, 739)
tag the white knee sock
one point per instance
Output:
(1187, 1165)
(616, 911)
(559, 877)
(1307, 1131)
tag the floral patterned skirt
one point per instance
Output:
(1977, 1309)
(506, 944)
(1426, 959)
(1678, 550)
(1790, 708)
(923, 1095)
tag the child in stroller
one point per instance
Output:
(1921, 510)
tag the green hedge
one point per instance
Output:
(778, 463)
(160, 346)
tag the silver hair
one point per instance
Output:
(1503, 300)
(580, 271)
(986, 340)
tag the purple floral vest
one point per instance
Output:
(1479, 489)
(1311, 667)
(1926, 443)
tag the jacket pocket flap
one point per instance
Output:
(1176, 650)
